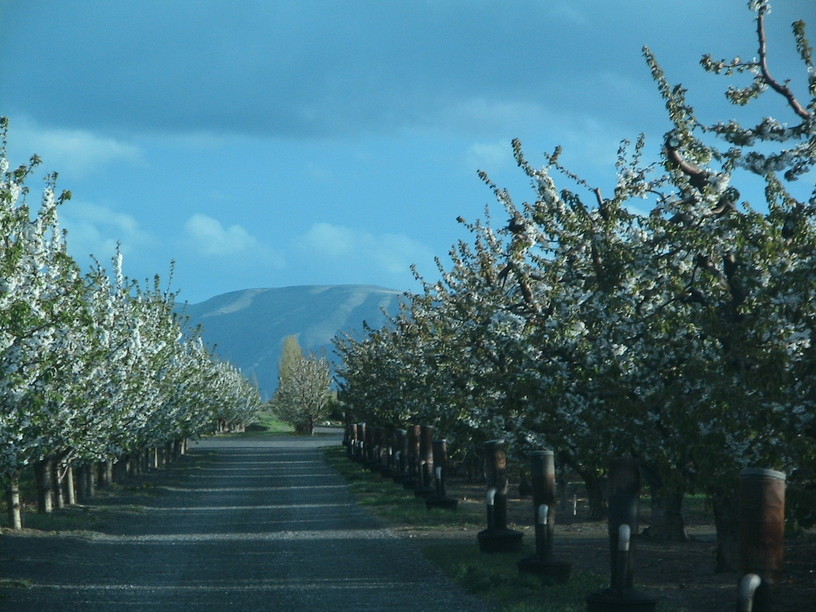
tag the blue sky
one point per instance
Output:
(275, 143)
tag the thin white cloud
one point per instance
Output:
(348, 248)
(209, 237)
(592, 138)
(489, 155)
(397, 252)
(96, 230)
(334, 240)
(78, 152)
(596, 137)
(617, 84)
(570, 14)
(595, 142)
(322, 173)
(483, 115)
(212, 238)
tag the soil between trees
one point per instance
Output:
(264, 524)
(238, 524)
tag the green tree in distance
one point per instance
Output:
(291, 355)
(304, 390)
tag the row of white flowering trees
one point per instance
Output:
(685, 337)
(93, 367)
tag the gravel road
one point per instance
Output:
(238, 524)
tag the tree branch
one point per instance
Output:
(779, 88)
(697, 176)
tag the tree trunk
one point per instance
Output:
(561, 488)
(89, 480)
(70, 491)
(726, 521)
(106, 473)
(596, 496)
(474, 466)
(80, 483)
(120, 469)
(45, 485)
(59, 495)
(594, 484)
(13, 502)
(668, 524)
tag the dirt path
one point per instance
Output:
(239, 524)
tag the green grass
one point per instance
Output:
(90, 515)
(272, 423)
(266, 423)
(94, 516)
(392, 503)
(493, 577)
(66, 519)
(496, 578)
(6, 583)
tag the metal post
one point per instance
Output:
(373, 461)
(401, 455)
(386, 450)
(623, 487)
(762, 531)
(497, 537)
(425, 486)
(544, 502)
(621, 580)
(440, 498)
(351, 439)
(413, 458)
(362, 446)
(747, 591)
(544, 505)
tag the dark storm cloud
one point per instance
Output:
(285, 68)
(323, 68)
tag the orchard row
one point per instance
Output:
(672, 321)
(93, 366)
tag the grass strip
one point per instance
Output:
(390, 502)
(493, 577)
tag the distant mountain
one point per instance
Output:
(248, 327)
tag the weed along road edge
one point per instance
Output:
(238, 524)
